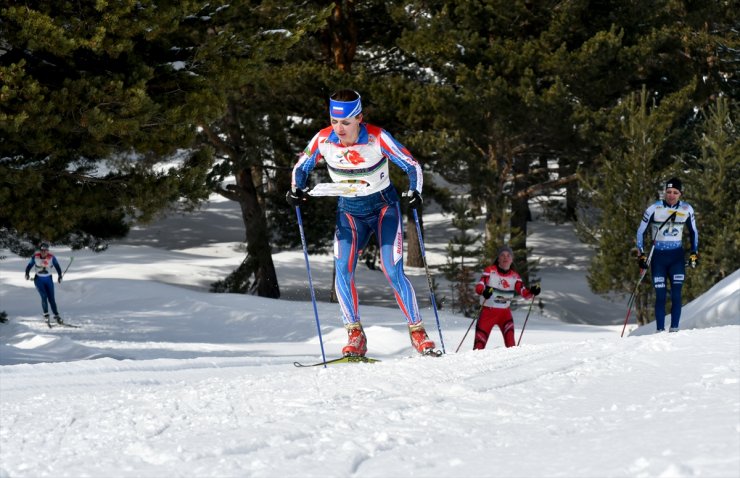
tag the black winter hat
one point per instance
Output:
(506, 248)
(674, 183)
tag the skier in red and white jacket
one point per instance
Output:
(497, 287)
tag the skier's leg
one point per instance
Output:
(390, 238)
(39, 283)
(659, 271)
(483, 328)
(677, 273)
(50, 295)
(349, 234)
(507, 329)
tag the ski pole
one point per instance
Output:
(429, 279)
(470, 327)
(643, 272)
(631, 302)
(525, 322)
(67, 268)
(310, 282)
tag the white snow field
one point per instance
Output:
(165, 379)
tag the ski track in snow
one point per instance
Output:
(478, 410)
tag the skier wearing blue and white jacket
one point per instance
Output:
(668, 261)
(43, 261)
(358, 154)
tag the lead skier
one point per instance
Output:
(358, 153)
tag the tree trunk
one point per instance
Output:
(566, 168)
(519, 216)
(259, 252)
(342, 36)
(495, 175)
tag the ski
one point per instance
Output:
(432, 353)
(51, 324)
(347, 359)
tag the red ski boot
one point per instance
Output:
(356, 341)
(420, 340)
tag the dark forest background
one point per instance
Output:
(113, 112)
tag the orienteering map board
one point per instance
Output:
(338, 189)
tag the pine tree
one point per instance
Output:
(266, 89)
(96, 99)
(498, 100)
(507, 86)
(462, 255)
(712, 189)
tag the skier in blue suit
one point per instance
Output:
(668, 257)
(43, 261)
(358, 155)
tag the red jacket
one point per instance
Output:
(505, 286)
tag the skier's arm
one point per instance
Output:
(693, 232)
(481, 285)
(646, 217)
(521, 290)
(401, 157)
(55, 263)
(306, 162)
(29, 266)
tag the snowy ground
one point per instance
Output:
(165, 379)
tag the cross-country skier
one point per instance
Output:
(43, 261)
(668, 257)
(359, 153)
(498, 285)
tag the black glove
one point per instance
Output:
(642, 261)
(28, 277)
(487, 292)
(694, 260)
(535, 289)
(297, 197)
(415, 200)
(59, 280)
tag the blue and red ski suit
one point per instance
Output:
(43, 280)
(376, 211)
